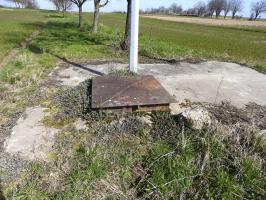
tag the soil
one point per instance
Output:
(207, 21)
(252, 115)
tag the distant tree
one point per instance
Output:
(79, 4)
(258, 8)
(97, 6)
(176, 9)
(227, 7)
(65, 5)
(211, 8)
(191, 11)
(216, 6)
(163, 10)
(236, 6)
(200, 8)
(56, 4)
(31, 4)
(25, 3)
(62, 5)
(18, 3)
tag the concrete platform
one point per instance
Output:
(210, 81)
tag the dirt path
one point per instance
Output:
(207, 21)
(15, 51)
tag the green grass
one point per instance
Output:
(16, 26)
(244, 45)
(159, 39)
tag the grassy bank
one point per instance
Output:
(16, 25)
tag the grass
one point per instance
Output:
(16, 26)
(123, 157)
(244, 45)
(171, 40)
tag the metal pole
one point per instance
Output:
(134, 36)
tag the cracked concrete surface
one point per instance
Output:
(211, 82)
(30, 139)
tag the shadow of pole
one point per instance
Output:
(79, 65)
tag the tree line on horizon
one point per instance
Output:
(31, 4)
(212, 8)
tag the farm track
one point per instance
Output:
(16, 50)
(206, 21)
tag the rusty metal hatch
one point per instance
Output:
(143, 93)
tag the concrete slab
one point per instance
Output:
(210, 82)
(30, 139)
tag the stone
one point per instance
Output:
(147, 120)
(80, 125)
(196, 118)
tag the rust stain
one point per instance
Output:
(116, 92)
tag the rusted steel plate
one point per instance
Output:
(119, 92)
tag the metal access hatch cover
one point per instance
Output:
(118, 92)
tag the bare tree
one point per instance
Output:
(217, 6)
(18, 3)
(125, 43)
(65, 5)
(258, 8)
(31, 4)
(97, 6)
(176, 9)
(227, 7)
(79, 4)
(200, 8)
(56, 4)
(211, 8)
(236, 6)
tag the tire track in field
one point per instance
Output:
(16, 50)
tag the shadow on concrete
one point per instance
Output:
(80, 66)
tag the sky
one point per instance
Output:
(120, 5)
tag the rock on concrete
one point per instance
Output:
(30, 139)
(211, 82)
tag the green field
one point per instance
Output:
(135, 160)
(159, 39)
(15, 26)
(244, 45)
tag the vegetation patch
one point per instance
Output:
(122, 156)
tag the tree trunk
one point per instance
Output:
(96, 19)
(125, 43)
(80, 17)
(225, 14)
(234, 14)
